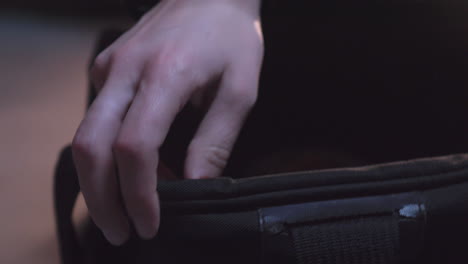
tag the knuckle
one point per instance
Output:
(99, 63)
(172, 66)
(123, 54)
(128, 148)
(241, 97)
(83, 148)
(215, 155)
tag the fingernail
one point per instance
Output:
(117, 237)
(146, 219)
(146, 229)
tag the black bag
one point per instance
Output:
(378, 81)
(406, 212)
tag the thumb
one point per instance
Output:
(211, 146)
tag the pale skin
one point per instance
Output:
(205, 52)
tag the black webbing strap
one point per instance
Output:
(368, 240)
(66, 189)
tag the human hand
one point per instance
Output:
(208, 52)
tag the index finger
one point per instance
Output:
(136, 149)
(92, 154)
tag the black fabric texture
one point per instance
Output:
(222, 238)
(372, 240)
(225, 194)
(419, 169)
(66, 189)
(430, 222)
(446, 233)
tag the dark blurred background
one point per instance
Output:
(45, 49)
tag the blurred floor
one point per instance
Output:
(43, 64)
